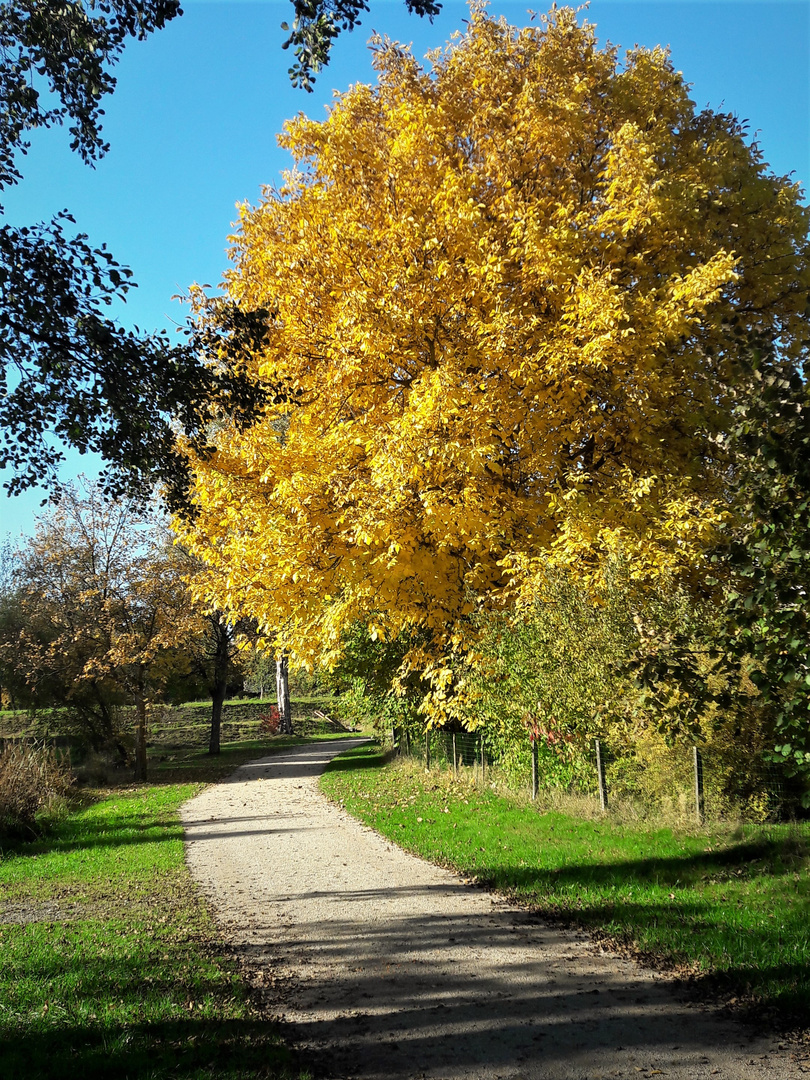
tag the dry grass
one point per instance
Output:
(33, 784)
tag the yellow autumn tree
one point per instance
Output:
(509, 293)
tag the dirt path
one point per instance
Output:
(388, 968)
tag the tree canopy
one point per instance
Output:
(511, 295)
(66, 368)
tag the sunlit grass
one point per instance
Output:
(298, 701)
(110, 965)
(197, 764)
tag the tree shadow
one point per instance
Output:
(143, 827)
(179, 1050)
(88, 1015)
(497, 994)
(765, 857)
(374, 759)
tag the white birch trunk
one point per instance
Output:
(283, 695)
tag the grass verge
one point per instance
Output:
(728, 906)
(110, 965)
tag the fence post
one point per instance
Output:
(600, 772)
(455, 762)
(700, 807)
(535, 776)
(427, 751)
(483, 763)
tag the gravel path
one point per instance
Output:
(388, 968)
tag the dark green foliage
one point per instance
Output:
(318, 22)
(69, 370)
(769, 555)
(552, 665)
(730, 655)
(66, 369)
(55, 68)
(680, 665)
(374, 690)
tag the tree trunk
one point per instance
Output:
(283, 695)
(217, 699)
(140, 739)
(218, 683)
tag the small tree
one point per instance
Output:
(103, 606)
(259, 669)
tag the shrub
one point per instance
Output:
(33, 782)
(269, 721)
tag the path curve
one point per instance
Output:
(386, 967)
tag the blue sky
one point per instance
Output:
(193, 123)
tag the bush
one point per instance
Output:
(269, 721)
(550, 666)
(33, 783)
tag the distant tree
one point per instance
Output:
(50, 637)
(213, 653)
(103, 606)
(13, 689)
(260, 671)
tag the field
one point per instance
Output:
(726, 906)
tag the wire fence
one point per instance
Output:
(690, 782)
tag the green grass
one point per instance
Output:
(117, 971)
(730, 907)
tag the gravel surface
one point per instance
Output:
(385, 967)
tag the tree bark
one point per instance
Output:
(283, 695)
(217, 698)
(140, 739)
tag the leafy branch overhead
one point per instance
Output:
(318, 22)
(67, 370)
(60, 53)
